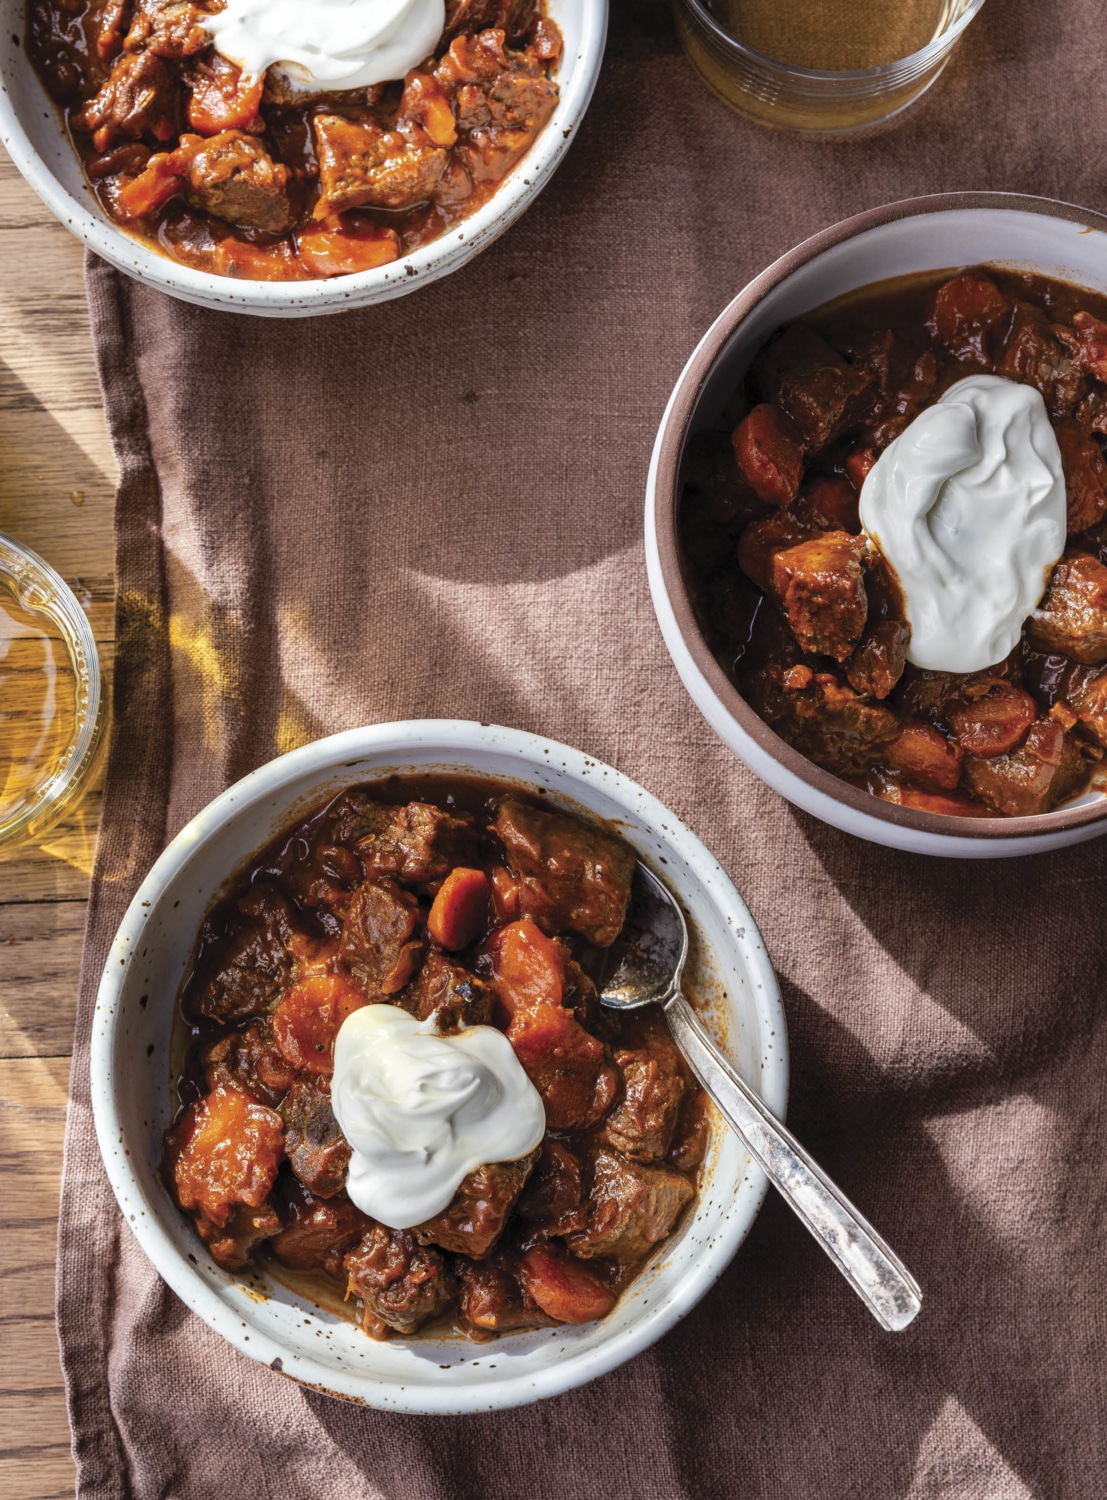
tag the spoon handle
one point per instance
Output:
(877, 1275)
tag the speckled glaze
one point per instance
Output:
(130, 1068)
(32, 132)
(947, 230)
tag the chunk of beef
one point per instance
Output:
(877, 663)
(140, 100)
(519, 101)
(567, 1064)
(552, 1201)
(379, 939)
(223, 1152)
(361, 164)
(1085, 477)
(169, 28)
(769, 453)
(401, 1283)
(810, 381)
(1033, 779)
(693, 1129)
(642, 1123)
(355, 816)
(572, 876)
(417, 842)
(502, 99)
(478, 59)
(820, 589)
(246, 974)
(231, 176)
(232, 1243)
(456, 998)
(632, 1208)
(317, 1233)
(823, 719)
(318, 1152)
(1072, 618)
(251, 1060)
(969, 316)
(1034, 355)
(493, 1299)
(474, 1219)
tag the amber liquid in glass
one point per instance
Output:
(836, 36)
(38, 702)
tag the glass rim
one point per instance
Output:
(20, 562)
(917, 59)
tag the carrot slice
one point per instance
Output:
(307, 1019)
(222, 99)
(336, 249)
(459, 913)
(563, 1287)
(997, 723)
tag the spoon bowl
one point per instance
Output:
(647, 967)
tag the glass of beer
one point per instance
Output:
(821, 66)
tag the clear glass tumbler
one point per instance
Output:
(50, 696)
(806, 99)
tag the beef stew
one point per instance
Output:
(475, 904)
(803, 612)
(244, 177)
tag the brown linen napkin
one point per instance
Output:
(434, 508)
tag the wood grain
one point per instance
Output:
(57, 485)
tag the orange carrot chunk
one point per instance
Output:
(339, 248)
(563, 1287)
(306, 1021)
(459, 914)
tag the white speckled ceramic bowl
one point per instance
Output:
(923, 234)
(32, 131)
(130, 1070)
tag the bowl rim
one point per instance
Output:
(463, 739)
(449, 252)
(664, 494)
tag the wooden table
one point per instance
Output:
(57, 483)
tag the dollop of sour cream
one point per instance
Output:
(328, 44)
(968, 507)
(422, 1110)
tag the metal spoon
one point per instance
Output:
(647, 969)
